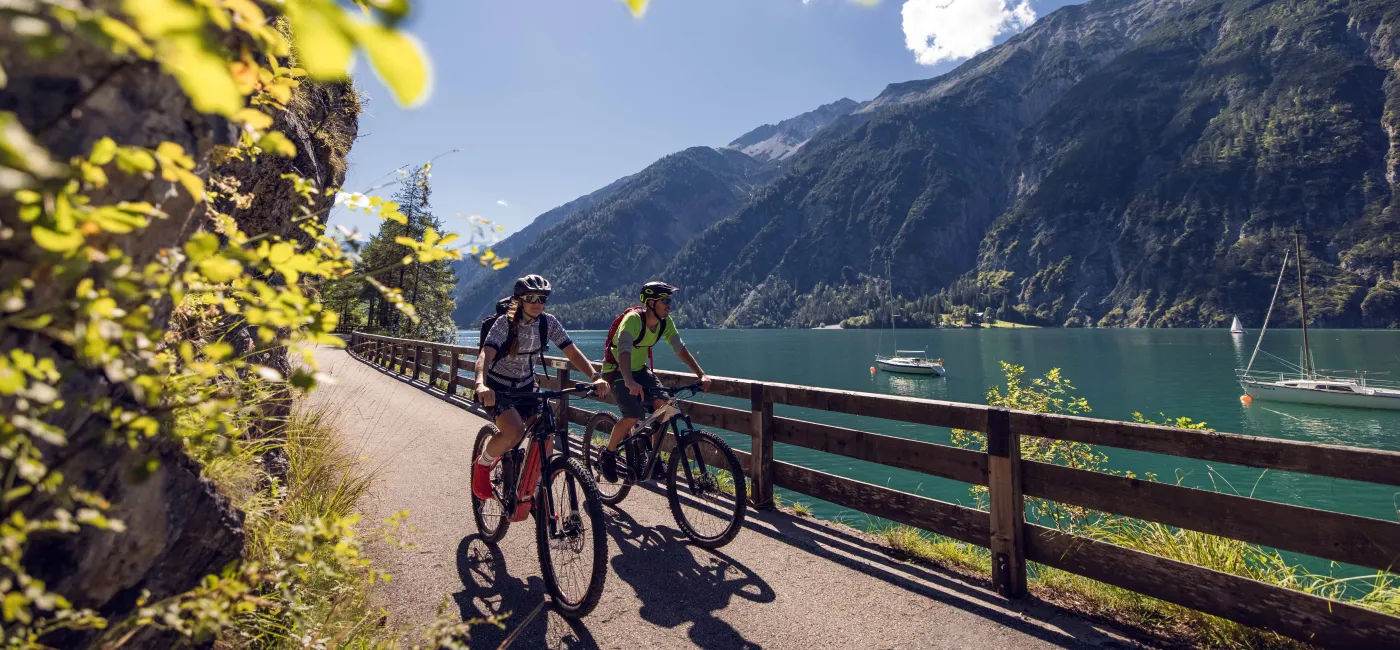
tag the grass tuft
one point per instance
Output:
(324, 481)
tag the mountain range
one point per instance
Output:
(1118, 163)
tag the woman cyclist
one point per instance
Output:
(507, 364)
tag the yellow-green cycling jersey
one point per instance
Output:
(630, 338)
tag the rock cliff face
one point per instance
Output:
(179, 528)
(322, 120)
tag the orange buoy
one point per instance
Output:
(1245, 399)
(872, 370)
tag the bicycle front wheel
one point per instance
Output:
(490, 515)
(595, 440)
(706, 487)
(573, 546)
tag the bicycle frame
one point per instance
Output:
(640, 430)
(539, 448)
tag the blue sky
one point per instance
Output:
(547, 100)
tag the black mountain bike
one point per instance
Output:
(704, 480)
(568, 508)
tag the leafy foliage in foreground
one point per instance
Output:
(86, 305)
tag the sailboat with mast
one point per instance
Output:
(909, 362)
(1306, 385)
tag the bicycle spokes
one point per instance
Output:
(705, 497)
(569, 536)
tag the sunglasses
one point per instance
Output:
(535, 299)
(664, 301)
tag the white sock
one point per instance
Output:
(486, 458)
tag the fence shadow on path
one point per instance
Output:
(488, 588)
(1040, 619)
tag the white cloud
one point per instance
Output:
(502, 203)
(948, 30)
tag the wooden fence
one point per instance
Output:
(1361, 541)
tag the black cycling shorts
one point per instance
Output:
(631, 405)
(525, 407)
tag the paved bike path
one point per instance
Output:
(784, 582)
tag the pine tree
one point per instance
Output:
(428, 287)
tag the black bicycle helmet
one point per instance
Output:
(652, 290)
(532, 284)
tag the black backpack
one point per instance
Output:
(502, 306)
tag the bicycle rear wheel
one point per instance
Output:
(490, 514)
(706, 487)
(573, 546)
(595, 440)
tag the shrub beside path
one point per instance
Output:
(784, 582)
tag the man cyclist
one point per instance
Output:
(507, 364)
(625, 363)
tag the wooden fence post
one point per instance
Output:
(437, 361)
(761, 469)
(354, 340)
(452, 358)
(418, 362)
(1008, 506)
(378, 352)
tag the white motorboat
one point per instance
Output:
(1304, 384)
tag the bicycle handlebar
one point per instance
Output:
(547, 394)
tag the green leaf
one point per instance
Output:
(275, 142)
(135, 161)
(116, 220)
(58, 242)
(103, 151)
(201, 246)
(18, 492)
(11, 380)
(16, 607)
(156, 18)
(19, 150)
(202, 73)
(193, 184)
(218, 350)
(303, 380)
(398, 61)
(220, 269)
(323, 47)
(124, 35)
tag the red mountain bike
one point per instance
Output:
(568, 509)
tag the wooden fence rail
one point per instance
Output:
(1362, 541)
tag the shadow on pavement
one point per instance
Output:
(1031, 616)
(489, 589)
(677, 587)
